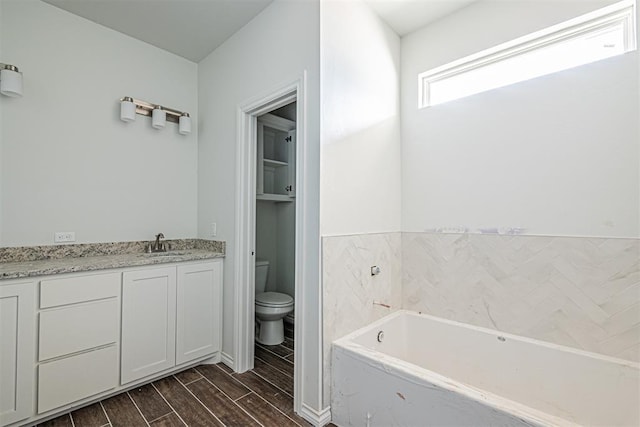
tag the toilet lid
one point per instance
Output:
(273, 299)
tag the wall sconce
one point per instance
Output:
(158, 117)
(184, 125)
(10, 80)
(129, 107)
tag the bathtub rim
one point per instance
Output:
(418, 375)
(398, 313)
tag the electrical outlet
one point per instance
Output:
(214, 229)
(64, 237)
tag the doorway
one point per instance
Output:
(245, 250)
(275, 247)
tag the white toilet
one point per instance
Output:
(271, 308)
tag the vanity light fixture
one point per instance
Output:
(10, 80)
(184, 125)
(159, 114)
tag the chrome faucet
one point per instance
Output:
(159, 246)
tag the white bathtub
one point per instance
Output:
(428, 371)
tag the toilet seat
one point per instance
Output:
(273, 299)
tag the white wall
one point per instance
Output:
(68, 162)
(360, 169)
(285, 280)
(274, 49)
(557, 155)
(360, 178)
(2, 58)
(275, 242)
(267, 239)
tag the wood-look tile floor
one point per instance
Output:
(207, 395)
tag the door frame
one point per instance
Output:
(244, 253)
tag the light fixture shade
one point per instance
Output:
(11, 81)
(184, 124)
(127, 109)
(158, 117)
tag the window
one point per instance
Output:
(597, 35)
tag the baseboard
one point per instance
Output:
(215, 359)
(317, 418)
(227, 360)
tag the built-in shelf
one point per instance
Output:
(275, 197)
(276, 159)
(275, 163)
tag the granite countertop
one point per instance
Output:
(47, 260)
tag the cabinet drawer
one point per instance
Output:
(79, 327)
(77, 377)
(76, 289)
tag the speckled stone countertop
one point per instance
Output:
(34, 261)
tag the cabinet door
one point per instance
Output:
(260, 160)
(291, 146)
(199, 310)
(148, 322)
(17, 351)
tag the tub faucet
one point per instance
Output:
(159, 246)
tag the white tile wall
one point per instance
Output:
(579, 292)
(352, 298)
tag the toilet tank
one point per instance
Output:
(262, 270)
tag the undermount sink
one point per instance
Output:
(166, 254)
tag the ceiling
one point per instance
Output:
(406, 16)
(194, 28)
(189, 28)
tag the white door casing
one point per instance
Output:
(244, 253)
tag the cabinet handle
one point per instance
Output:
(288, 139)
(288, 188)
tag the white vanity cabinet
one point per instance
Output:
(170, 316)
(17, 350)
(276, 157)
(68, 340)
(79, 328)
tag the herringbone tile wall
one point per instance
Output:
(579, 292)
(352, 297)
